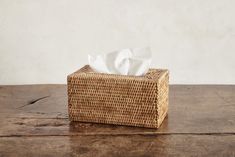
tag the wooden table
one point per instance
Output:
(34, 122)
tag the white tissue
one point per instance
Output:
(124, 62)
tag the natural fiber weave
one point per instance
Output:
(118, 99)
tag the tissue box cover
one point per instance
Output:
(118, 99)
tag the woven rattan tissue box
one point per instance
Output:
(118, 99)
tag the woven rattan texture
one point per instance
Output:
(117, 99)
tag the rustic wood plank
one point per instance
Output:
(42, 110)
(45, 101)
(34, 122)
(192, 109)
(119, 146)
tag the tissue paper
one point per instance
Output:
(124, 62)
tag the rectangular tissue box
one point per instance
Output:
(118, 99)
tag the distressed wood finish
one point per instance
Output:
(34, 122)
(123, 146)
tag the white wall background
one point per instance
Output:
(41, 41)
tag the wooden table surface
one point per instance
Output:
(34, 122)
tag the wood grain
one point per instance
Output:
(119, 146)
(201, 122)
